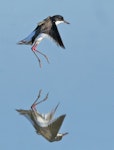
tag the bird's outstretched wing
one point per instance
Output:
(54, 34)
(49, 27)
(50, 132)
(30, 39)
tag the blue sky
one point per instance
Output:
(81, 77)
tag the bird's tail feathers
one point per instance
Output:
(24, 42)
(22, 112)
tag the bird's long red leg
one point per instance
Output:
(33, 107)
(35, 50)
(43, 99)
(43, 55)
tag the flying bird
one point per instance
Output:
(46, 28)
(44, 124)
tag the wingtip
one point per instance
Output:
(63, 116)
(63, 46)
(18, 110)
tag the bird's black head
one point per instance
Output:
(59, 19)
(60, 136)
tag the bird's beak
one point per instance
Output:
(66, 22)
(65, 133)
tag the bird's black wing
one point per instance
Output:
(37, 32)
(54, 34)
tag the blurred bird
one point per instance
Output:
(50, 132)
(46, 28)
(44, 124)
(42, 119)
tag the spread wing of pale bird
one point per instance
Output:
(46, 28)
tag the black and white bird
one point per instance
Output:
(44, 124)
(46, 28)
